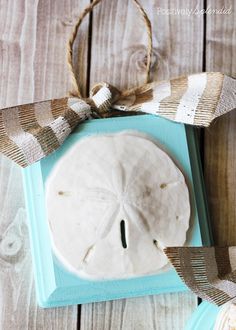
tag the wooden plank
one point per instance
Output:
(32, 67)
(119, 42)
(118, 57)
(220, 146)
(18, 306)
(169, 311)
(33, 49)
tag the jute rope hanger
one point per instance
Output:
(76, 88)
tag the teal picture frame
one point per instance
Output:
(55, 285)
(204, 317)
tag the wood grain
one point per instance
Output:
(18, 306)
(118, 56)
(33, 35)
(33, 43)
(119, 42)
(220, 139)
(33, 67)
(167, 312)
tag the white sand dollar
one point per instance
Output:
(226, 319)
(113, 202)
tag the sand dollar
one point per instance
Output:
(226, 319)
(113, 203)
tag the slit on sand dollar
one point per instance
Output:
(114, 209)
(88, 254)
(123, 234)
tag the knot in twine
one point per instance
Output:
(100, 101)
(102, 97)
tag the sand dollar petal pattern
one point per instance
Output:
(113, 202)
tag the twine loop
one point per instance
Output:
(76, 92)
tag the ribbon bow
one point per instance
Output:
(30, 132)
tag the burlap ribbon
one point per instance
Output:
(30, 132)
(210, 272)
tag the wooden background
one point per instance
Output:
(112, 48)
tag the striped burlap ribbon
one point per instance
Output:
(30, 132)
(210, 272)
(33, 131)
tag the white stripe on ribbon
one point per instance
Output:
(222, 284)
(27, 142)
(226, 286)
(232, 257)
(159, 93)
(80, 107)
(102, 96)
(60, 128)
(188, 104)
(43, 113)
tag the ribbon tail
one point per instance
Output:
(227, 101)
(195, 99)
(30, 132)
(210, 272)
